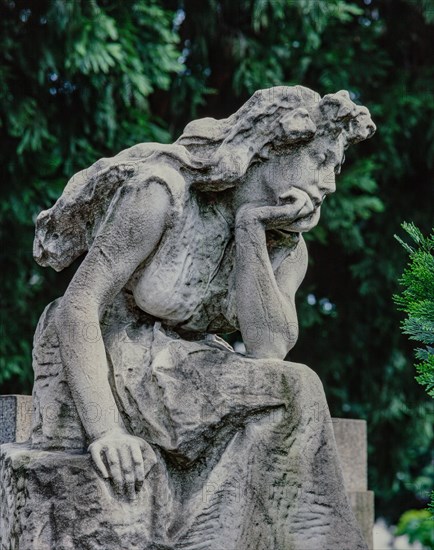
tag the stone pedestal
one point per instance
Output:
(56, 500)
(15, 418)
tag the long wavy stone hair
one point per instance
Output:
(212, 155)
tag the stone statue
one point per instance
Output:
(212, 449)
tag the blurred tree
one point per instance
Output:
(417, 301)
(418, 526)
(85, 78)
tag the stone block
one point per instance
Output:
(362, 503)
(351, 440)
(56, 500)
(15, 418)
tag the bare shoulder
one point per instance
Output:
(135, 207)
(135, 223)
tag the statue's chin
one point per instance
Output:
(306, 223)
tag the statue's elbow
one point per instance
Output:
(75, 312)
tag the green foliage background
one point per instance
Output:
(82, 79)
(417, 301)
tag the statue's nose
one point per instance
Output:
(327, 184)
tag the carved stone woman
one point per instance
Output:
(184, 242)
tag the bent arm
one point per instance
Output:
(265, 301)
(134, 225)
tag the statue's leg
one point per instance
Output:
(274, 482)
(248, 445)
(56, 424)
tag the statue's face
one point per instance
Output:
(311, 168)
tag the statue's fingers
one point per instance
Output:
(95, 453)
(293, 195)
(138, 465)
(307, 207)
(127, 472)
(114, 468)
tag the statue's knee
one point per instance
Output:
(307, 375)
(301, 384)
(296, 381)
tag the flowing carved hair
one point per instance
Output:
(212, 155)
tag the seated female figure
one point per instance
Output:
(184, 242)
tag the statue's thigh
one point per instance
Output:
(229, 382)
(209, 390)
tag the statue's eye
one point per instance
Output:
(55, 236)
(322, 159)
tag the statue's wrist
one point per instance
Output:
(248, 220)
(104, 431)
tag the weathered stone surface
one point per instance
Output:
(184, 242)
(56, 500)
(15, 418)
(350, 435)
(351, 442)
(89, 512)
